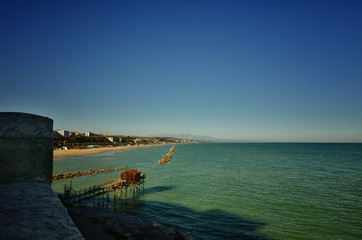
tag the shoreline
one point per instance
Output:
(88, 151)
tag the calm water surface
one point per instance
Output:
(241, 190)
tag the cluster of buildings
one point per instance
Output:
(66, 133)
(122, 140)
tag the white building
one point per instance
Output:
(64, 133)
(114, 139)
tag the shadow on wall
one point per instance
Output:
(213, 224)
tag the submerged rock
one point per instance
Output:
(126, 226)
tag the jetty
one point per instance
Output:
(128, 182)
(84, 173)
(165, 159)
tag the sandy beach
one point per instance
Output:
(72, 152)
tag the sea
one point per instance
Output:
(215, 191)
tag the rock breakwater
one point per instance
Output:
(168, 155)
(84, 173)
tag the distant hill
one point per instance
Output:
(189, 137)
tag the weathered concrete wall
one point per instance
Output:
(31, 210)
(26, 151)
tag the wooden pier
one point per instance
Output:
(129, 182)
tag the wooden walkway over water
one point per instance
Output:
(128, 183)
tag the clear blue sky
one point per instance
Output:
(249, 70)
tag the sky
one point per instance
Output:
(237, 70)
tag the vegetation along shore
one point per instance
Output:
(67, 143)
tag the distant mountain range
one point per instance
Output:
(190, 137)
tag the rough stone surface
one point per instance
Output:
(30, 210)
(13, 124)
(26, 151)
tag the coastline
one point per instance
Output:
(99, 223)
(73, 152)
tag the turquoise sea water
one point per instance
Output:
(241, 190)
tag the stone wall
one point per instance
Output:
(26, 151)
(29, 209)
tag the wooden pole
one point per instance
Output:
(107, 199)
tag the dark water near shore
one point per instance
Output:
(241, 190)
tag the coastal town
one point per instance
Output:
(65, 139)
